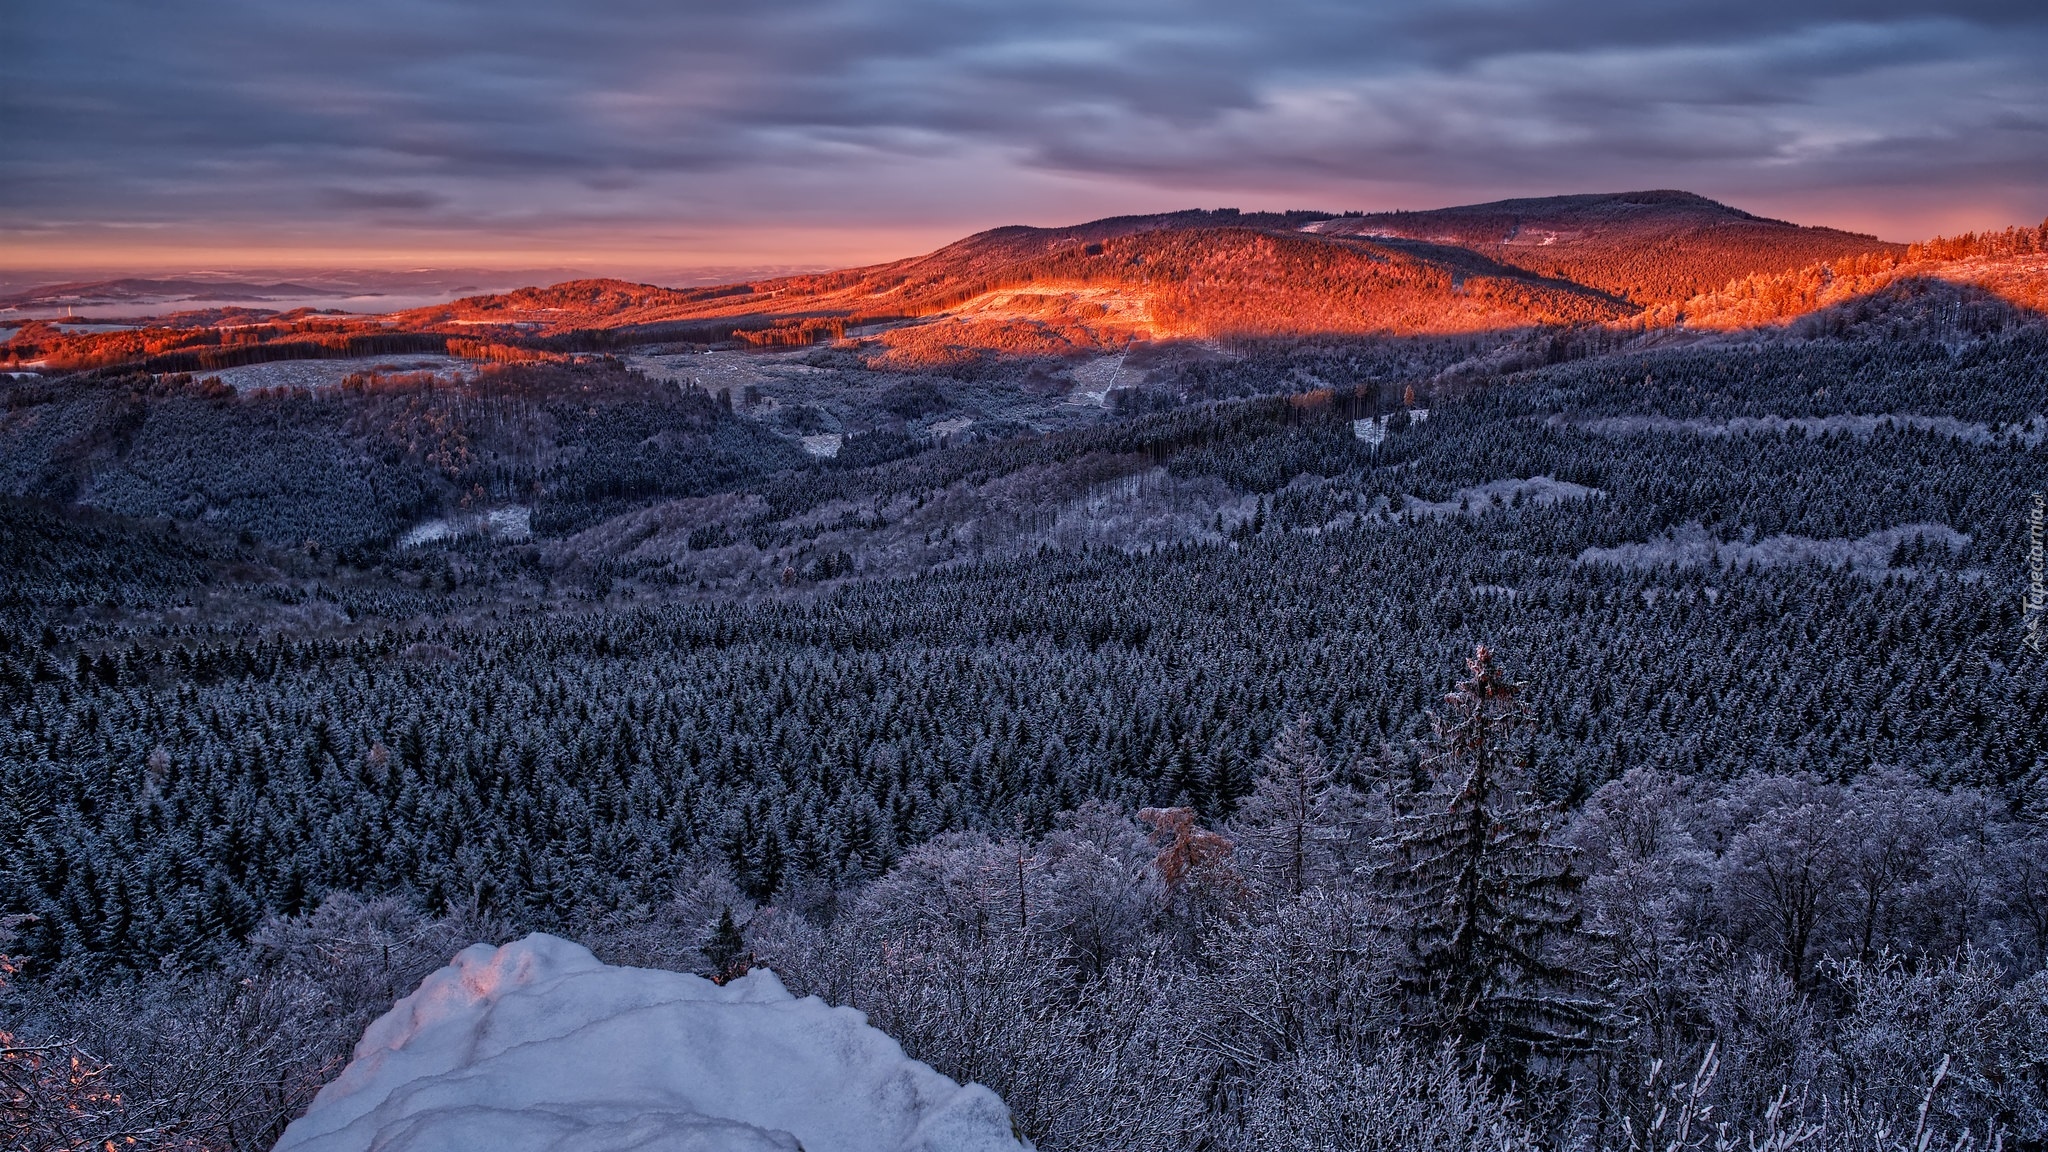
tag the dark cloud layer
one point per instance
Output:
(528, 123)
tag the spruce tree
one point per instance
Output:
(1481, 893)
(1292, 829)
(727, 949)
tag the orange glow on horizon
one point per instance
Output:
(745, 246)
(738, 248)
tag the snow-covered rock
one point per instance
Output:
(537, 1045)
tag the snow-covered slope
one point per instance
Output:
(537, 1045)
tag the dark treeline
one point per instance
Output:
(339, 347)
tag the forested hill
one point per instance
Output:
(1056, 292)
(1644, 247)
(1560, 259)
(1641, 259)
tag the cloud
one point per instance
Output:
(372, 200)
(523, 122)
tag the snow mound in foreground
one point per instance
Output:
(537, 1045)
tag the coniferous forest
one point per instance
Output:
(1579, 739)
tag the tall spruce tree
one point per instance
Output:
(1482, 894)
(1292, 830)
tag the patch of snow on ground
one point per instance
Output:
(538, 1046)
(825, 445)
(1467, 501)
(944, 431)
(1692, 546)
(1095, 380)
(430, 532)
(1373, 429)
(512, 524)
(330, 373)
(2031, 432)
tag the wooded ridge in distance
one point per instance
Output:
(1658, 258)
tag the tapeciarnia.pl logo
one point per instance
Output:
(2037, 575)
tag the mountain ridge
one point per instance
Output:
(1659, 258)
(1599, 256)
(1653, 247)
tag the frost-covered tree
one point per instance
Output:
(1482, 893)
(1646, 894)
(1294, 830)
(1092, 889)
(1783, 880)
(1395, 1101)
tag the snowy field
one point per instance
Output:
(329, 373)
(1500, 494)
(511, 525)
(1693, 546)
(1096, 379)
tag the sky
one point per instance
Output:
(634, 135)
